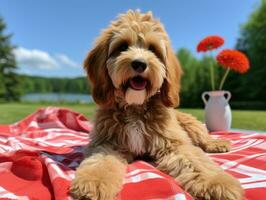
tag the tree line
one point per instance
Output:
(37, 84)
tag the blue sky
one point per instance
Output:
(53, 37)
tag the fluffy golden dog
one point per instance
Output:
(136, 79)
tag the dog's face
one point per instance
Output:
(132, 60)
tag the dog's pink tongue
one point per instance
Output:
(138, 83)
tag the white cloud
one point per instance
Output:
(42, 60)
(63, 59)
(35, 59)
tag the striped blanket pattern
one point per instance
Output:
(39, 155)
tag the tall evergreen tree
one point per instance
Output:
(9, 81)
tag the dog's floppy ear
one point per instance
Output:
(95, 66)
(171, 85)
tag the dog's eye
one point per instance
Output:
(118, 49)
(156, 51)
(152, 48)
(122, 47)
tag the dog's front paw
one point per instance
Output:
(82, 188)
(98, 179)
(85, 189)
(219, 187)
(217, 146)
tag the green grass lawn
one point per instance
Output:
(12, 112)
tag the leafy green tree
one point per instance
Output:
(196, 78)
(253, 43)
(9, 81)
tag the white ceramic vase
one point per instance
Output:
(218, 116)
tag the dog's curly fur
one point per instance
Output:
(124, 132)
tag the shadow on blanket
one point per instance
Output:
(39, 154)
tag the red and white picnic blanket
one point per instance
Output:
(39, 154)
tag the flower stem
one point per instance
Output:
(212, 75)
(223, 79)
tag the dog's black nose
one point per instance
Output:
(139, 65)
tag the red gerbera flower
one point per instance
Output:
(234, 60)
(210, 43)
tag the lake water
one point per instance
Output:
(57, 97)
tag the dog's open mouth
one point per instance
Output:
(138, 83)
